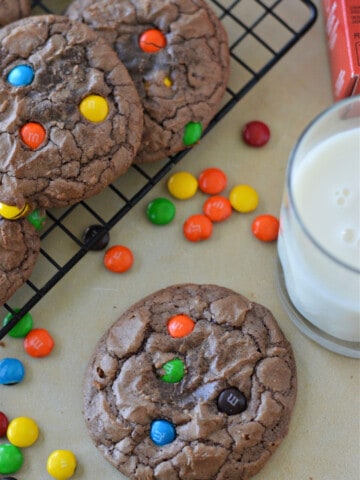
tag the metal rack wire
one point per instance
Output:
(253, 52)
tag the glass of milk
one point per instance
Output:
(319, 238)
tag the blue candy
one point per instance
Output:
(21, 76)
(11, 371)
(162, 432)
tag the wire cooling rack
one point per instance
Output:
(265, 31)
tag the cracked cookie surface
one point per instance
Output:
(12, 10)
(234, 344)
(51, 65)
(182, 80)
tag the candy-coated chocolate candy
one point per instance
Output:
(118, 259)
(174, 371)
(197, 227)
(11, 212)
(180, 325)
(192, 133)
(94, 108)
(217, 208)
(38, 343)
(33, 135)
(12, 371)
(182, 185)
(23, 326)
(256, 133)
(37, 219)
(162, 432)
(11, 458)
(21, 76)
(168, 82)
(212, 181)
(160, 211)
(244, 198)
(265, 228)
(61, 464)
(231, 401)
(4, 422)
(152, 40)
(22, 432)
(94, 230)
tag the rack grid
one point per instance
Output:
(254, 50)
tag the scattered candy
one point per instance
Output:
(182, 185)
(23, 326)
(4, 422)
(162, 432)
(33, 135)
(168, 82)
(231, 401)
(91, 232)
(22, 432)
(265, 228)
(244, 198)
(212, 181)
(118, 259)
(192, 133)
(217, 208)
(38, 343)
(61, 464)
(256, 133)
(37, 219)
(11, 458)
(21, 76)
(152, 40)
(12, 371)
(174, 371)
(11, 212)
(94, 108)
(197, 227)
(160, 211)
(180, 326)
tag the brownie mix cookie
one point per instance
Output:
(11, 10)
(177, 54)
(195, 382)
(70, 117)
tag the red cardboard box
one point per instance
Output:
(342, 23)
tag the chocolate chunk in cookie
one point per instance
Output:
(12, 10)
(70, 117)
(177, 54)
(193, 382)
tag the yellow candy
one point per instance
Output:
(22, 432)
(167, 82)
(61, 464)
(10, 212)
(182, 185)
(244, 198)
(94, 108)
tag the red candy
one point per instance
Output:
(152, 40)
(212, 181)
(4, 422)
(256, 133)
(33, 134)
(217, 208)
(38, 343)
(197, 227)
(180, 326)
(118, 259)
(265, 228)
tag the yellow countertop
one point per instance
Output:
(323, 441)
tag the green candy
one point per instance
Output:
(22, 328)
(192, 133)
(160, 211)
(36, 219)
(174, 371)
(11, 458)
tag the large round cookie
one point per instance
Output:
(63, 77)
(11, 10)
(228, 413)
(181, 75)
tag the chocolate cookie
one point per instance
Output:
(19, 248)
(70, 117)
(177, 54)
(11, 10)
(193, 382)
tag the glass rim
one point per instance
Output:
(341, 104)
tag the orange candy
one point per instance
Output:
(180, 326)
(217, 208)
(33, 135)
(197, 227)
(152, 40)
(265, 228)
(212, 181)
(118, 259)
(38, 343)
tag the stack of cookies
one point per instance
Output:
(86, 94)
